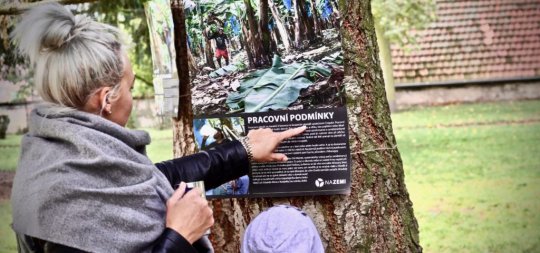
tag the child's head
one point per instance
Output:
(282, 229)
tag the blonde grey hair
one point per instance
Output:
(73, 56)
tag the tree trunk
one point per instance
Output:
(377, 216)
(306, 21)
(254, 38)
(385, 54)
(298, 25)
(264, 32)
(336, 15)
(275, 40)
(247, 45)
(208, 52)
(285, 38)
(316, 21)
(183, 138)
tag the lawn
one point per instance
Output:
(9, 152)
(472, 172)
(7, 237)
(475, 188)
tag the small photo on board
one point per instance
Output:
(211, 132)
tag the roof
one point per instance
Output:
(474, 40)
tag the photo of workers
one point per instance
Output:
(210, 132)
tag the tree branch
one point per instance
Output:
(18, 8)
(144, 80)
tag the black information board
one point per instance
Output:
(319, 159)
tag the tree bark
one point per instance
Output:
(285, 38)
(307, 22)
(316, 20)
(208, 52)
(299, 33)
(183, 138)
(247, 45)
(274, 40)
(254, 37)
(264, 32)
(377, 216)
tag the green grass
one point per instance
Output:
(474, 188)
(466, 114)
(160, 149)
(7, 237)
(9, 152)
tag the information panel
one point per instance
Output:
(240, 84)
(319, 159)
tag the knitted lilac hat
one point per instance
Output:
(282, 229)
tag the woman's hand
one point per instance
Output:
(265, 141)
(189, 214)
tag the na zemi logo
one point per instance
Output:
(319, 182)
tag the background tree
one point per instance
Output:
(314, 12)
(264, 31)
(377, 216)
(125, 14)
(278, 20)
(395, 23)
(183, 138)
(300, 33)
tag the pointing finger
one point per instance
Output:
(278, 157)
(291, 132)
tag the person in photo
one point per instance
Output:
(221, 46)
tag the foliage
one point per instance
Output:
(13, 67)
(277, 87)
(205, 17)
(125, 14)
(224, 71)
(334, 59)
(325, 8)
(129, 16)
(229, 69)
(399, 17)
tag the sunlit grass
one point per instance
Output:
(161, 147)
(467, 114)
(9, 152)
(7, 237)
(474, 188)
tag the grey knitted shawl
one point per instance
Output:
(85, 182)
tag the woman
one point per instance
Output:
(84, 183)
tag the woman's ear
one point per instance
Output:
(104, 96)
(99, 102)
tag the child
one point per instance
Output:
(282, 229)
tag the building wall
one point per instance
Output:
(407, 97)
(143, 110)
